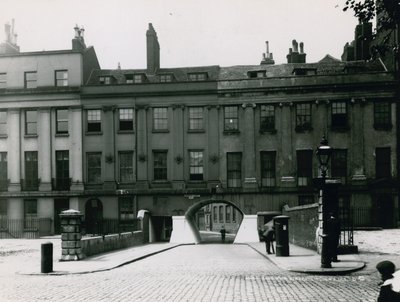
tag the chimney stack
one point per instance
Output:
(153, 50)
(9, 46)
(294, 55)
(267, 57)
(78, 42)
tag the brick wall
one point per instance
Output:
(303, 224)
(101, 244)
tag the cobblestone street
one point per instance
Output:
(212, 272)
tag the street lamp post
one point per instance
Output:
(324, 152)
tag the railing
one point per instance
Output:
(346, 225)
(4, 184)
(30, 184)
(362, 217)
(25, 228)
(61, 184)
(110, 226)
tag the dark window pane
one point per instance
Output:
(383, 163)
(160, 165)
(234, 169)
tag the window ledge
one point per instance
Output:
(31, 135)
(231, 132)
(94, 133)
(303, 128)
(125, 131)
(340, 128)
(270, 131)
(62, 134)
(160, 131)
(387, 127)
(196, 131)
(3, 136)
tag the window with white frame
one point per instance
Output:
(62, 121)
(126, 119)
(94, 120)
(61, 78)
(196, 169)
(160, 118)
(3, 80)
(268, 169)
(196, 118)
(234, 169)
(126, 166)
(30, 79)
(3, 123)
(30, 122)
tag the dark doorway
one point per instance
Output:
(385, 211)
(93, 216)
(162, 227)
(61, 204)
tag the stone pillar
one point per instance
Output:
(14, 151)
(357, 143)
(44, 146)
(249, 157)
(75, 151)
(212, 131)
(108, 149)
(177, 148)
(142, 153)
(286, 165)
(71, 249)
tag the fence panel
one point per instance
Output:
(25, 228)
(110, 226)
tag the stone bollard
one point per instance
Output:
(71, 235)
(46, 265)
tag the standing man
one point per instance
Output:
(223, 233)
(269, 236)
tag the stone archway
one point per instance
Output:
(184, 229)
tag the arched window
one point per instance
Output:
(221, 214)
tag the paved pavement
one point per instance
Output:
(209, 272)
(308, 261)
(23, 256)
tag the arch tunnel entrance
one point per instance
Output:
(185, 228)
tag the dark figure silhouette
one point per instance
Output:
(333, 230)
(269, 236)
(390, 288)
(223, 233)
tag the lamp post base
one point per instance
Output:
(325, 253)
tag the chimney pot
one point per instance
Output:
(301, 47)
(295, 46)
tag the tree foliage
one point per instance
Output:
(387, 14)
(386, 11)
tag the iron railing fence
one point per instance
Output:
(25, 228)
(346, 226)
(362, 217)
(110, 226)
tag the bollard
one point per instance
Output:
(47, 258)
(281, 224)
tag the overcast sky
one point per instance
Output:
(190, 32)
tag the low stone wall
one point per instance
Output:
(303, 224)
(100, 244)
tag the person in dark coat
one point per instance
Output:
(390, 288)
(269, 236)
(333, 229)
(223, 233)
